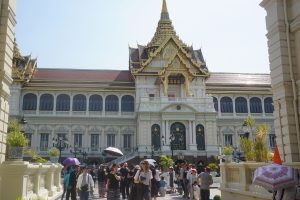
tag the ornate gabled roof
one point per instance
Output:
(23, 66)
(141, 56)
(164, 30)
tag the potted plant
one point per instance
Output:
(36, 158)
(54, 153)
(16, 142)
(228, 153)
(257, 149)
(213, 167)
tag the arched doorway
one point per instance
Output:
(178, 131)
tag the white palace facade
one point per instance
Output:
(167, 91)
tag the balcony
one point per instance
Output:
(159, 103)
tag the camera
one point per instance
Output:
(142, 178)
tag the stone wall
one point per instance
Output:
(283, 35)
(7, 37)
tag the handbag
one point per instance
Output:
(85, 188)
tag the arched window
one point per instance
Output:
(268, 103)
(112, 103)
(63, 102)
(241, 105)
(127, 104)
(79, 103)
(216, 103)
(29, 101)
(95, 103)
(155, 136)
(226, 105)
(46, 102)
(200, 137)
(255, 105)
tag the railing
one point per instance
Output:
(237, 181)
(30, 181)
(158, 103)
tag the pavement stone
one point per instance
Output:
(175, 196)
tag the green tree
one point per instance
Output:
(166, 162)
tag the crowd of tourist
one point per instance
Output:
(138, 182)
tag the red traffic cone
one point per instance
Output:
(277, 159)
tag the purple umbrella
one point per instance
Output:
(71, 161)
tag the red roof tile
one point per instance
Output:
(82, 75)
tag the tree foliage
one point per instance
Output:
(15, 137)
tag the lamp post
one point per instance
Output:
(61, 143)
(152, 151)
(84, 155)
(172, 139)
(76, 151)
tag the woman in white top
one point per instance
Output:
(84, 184)
(143, 178)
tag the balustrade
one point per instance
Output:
(29, 181)
(237, 181)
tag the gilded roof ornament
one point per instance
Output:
(23, 66)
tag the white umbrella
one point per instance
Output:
(151, 162)
(113, 151)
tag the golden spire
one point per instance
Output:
(164, 12)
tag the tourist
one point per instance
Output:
(171, 179)
(101, 181)
(113, 184)
(143, 177)
(124, 184)
(206, 181)
(84, 184)
(191, 180)
(71, 182)
(154, 183)
(64, 173)
(196, 190)
(162, 186)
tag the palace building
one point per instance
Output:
(167, 102)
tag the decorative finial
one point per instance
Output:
(164, 12)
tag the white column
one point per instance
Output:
(163, 133)
(54, 103)
(263, 106)
(86, 138)
(103, 105)
(167, 133)
(71, 104)
(194, 132)
(233, 106)
(190, 132)
(248, 104)
(87, 113)
(219, 106)
(120, 98)
(38, 104)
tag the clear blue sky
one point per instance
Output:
(95, 34)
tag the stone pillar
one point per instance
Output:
(285, 69)
(7, 36)
(167, 133)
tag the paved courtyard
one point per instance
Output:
(214, 191)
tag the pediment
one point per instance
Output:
(179, 108)
(171, 56)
